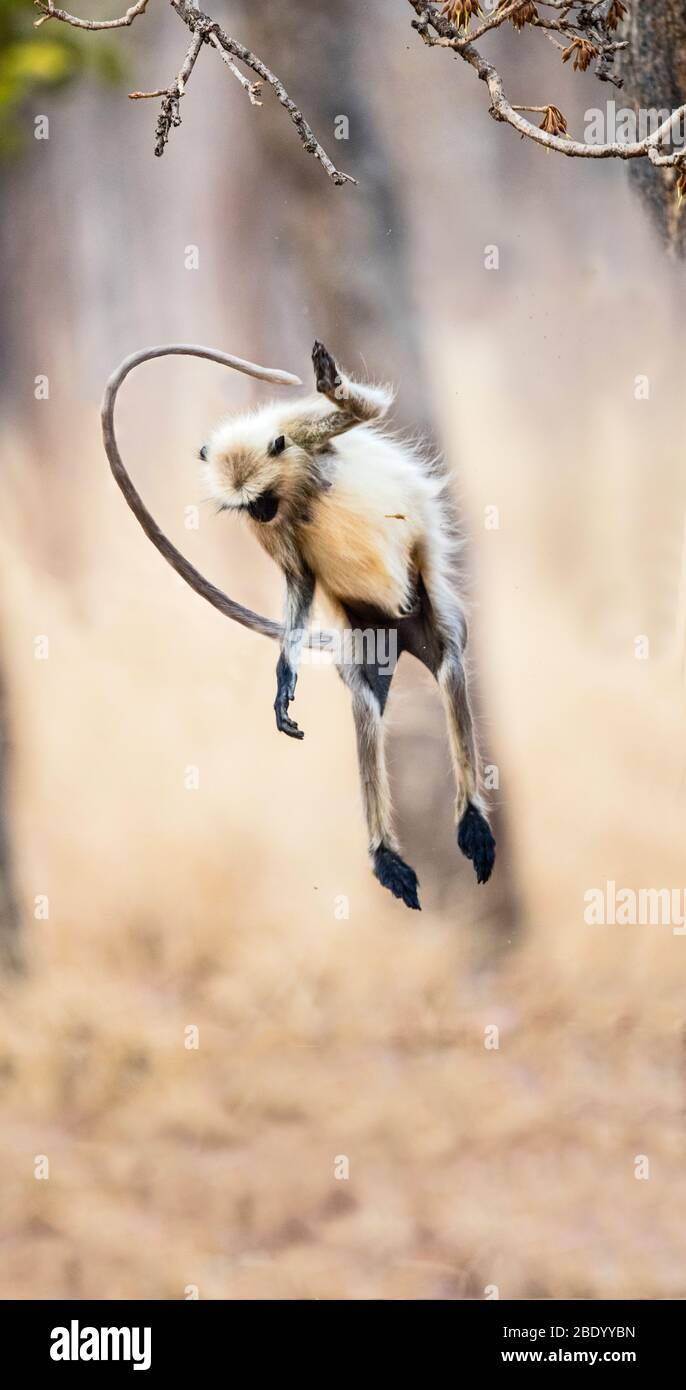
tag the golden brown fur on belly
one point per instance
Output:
(357, 558)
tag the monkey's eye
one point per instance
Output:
(277, 445)
(202, 453)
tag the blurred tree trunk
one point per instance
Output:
(342, 251)
(654, 70)
(9, 916)
(343, 257)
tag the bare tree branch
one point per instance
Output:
(437, 30)
(170, 114)
(205, 30)
(197, 21)
(51, 12)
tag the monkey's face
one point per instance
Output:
(250, 467)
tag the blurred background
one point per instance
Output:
(168, 861)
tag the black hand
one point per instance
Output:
(285, 691)
(283, 723)
(326, 374)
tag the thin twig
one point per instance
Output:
(254, 89)
(51, 12)
(170, 114)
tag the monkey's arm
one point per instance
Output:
(356, 403)
(299, 595)
(353, 404)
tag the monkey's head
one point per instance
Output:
(255, 464)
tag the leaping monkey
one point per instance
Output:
(361, 518)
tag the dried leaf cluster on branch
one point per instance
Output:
(585, 34)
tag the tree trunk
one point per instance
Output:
(654, 70)
(9, 916)
(342, 251)
(342, 258)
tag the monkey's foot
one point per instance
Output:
(475, 839)
(326, 374)
(397, 876)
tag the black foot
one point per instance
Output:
(475, 839)
(326, 374)
(394, 874)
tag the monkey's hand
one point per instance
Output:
(283, 723)
(327, 377)
(285, 692)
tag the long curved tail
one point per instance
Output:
(178, 562)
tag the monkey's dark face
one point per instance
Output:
(264, 507)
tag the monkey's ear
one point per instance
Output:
(202, 453)
(277, 445)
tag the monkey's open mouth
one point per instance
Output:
(265, 507)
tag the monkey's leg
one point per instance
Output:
(299, 595)
(474, 834)
(392, 872)
(437, 636)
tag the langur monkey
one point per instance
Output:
(352, 513)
